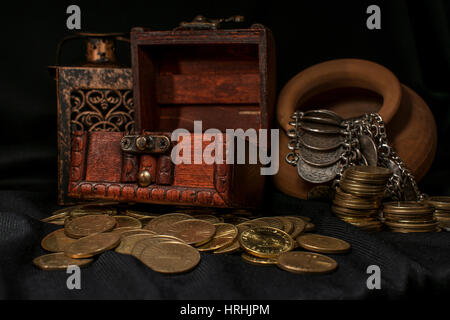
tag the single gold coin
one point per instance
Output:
(58, 261)
(141, 244)
(225, 234)
(93, 210)
(170, 257)
(299, 226)
(56, 241)
(208, 217)
(273, 222)
(140, 214)
(235, 246)
(86, 225)
(305, 262)
(91, 245)
(162, 224)
(323, 244)
(192, 231)
(127, 243)
(59, 214)
(129, 232)
(257, 260)
(266, 242)
(127, 222)
(235, 220)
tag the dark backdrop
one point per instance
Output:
(414, 43)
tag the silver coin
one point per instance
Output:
(320, 158)
(323, 113)
(320, 127)
(316, 174)
(369, 150)
(320, 141)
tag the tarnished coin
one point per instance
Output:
(265, 242)
(163, 223)
(323, 244)
(257, 260)
(170, 257)
(56, 241)
(193, 231)
(225, 234)
(369, 171)
(127, 243)
(320, 158)
(58, 261)
(369, 149)
(320, 141)
(86, 225)
(91, 245)
(299, 225)
(127, 222)
(306, 262)
(316, 174)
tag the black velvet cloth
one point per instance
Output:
(414, 43)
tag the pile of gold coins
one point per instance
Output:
(409, 216)
(441, 205)
(171, 242)
(359, 195)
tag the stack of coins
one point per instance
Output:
(359, 195)
(409, 216)
(173, 242)
(441, 210)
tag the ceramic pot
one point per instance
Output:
(352, 87)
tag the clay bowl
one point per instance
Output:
(352, 87)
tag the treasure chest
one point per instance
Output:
(197, 78)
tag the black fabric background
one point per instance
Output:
(414, 43)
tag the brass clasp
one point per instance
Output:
(145, 144)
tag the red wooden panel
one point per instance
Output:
(208, 88)
(104, 157)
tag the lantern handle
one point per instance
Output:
(82, 35)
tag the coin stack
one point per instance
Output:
(359, 195)
(441, 210)
(409, 216)
(171, 242)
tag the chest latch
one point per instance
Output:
(145, 144)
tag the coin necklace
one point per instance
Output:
(323, 145)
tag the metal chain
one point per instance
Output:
(370, 124)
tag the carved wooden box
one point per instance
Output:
(224, 78)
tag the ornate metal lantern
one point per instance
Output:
(93, 96)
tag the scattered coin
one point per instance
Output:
(127, 243)
(163, 223)
(56, 241)
(225, 235)
(170, 257)
(58, 261)
(266, 242)
(192, 231)
(322, 244)
(91, 245)
(127, 222)
(257, 260)
(306, 262)
(86, 225)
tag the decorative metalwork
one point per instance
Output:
(102, 110)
